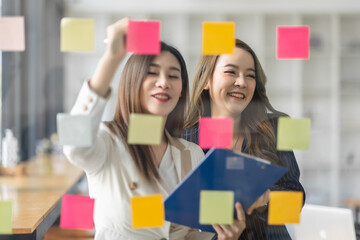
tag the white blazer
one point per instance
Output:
(113, 177)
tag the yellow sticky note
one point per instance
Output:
(216, 207)
(284, 207)
(6, 217)
(145, 129)
(293, 134)
(77, 35)
(147, 211)
(218, 38)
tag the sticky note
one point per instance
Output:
(77, 35)
(293, 42)
(74, 130)
(284, 207)
(6, 217)
(235, 163)
(12, 34)
(218, 38)
(293, 134)
(77, 212)
(143, 37)
(145, 129)
(215, 132)
(147, 211)
(216, 207)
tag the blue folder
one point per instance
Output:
(249, 177)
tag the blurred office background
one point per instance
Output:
(38, 83)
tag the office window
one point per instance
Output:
(32, 81)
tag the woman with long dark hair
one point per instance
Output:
(117, 170)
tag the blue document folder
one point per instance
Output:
(249, 177)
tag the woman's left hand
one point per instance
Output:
(260, 202)
(232, 232)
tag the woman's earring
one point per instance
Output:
(207, 87)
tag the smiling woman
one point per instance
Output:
(118, 171)
(233, 85)
(162, 86)
(234, 92)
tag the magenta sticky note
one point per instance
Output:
(12, 34)
(143, 37)
(293, 42)
(77, 212)
(215, 132)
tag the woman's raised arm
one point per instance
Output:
(113, 55)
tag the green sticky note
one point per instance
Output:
(6, 217)
(293, 134)
(145, 129)
(216, 207)
(218, 38)
(77, 34)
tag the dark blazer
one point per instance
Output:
(256, 223)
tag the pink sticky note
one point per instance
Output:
(12, 34)
(77, 212)
(143, 37)
(215, 132)
(293, 42)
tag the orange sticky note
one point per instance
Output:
(284, 207)
(12, 34)
(218, 38)
(147, 211)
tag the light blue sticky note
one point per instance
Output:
(74, 130)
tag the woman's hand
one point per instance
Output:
(115, 51)
(232, 232)
(116, 39)
(260, 202)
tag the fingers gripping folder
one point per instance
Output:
(247, 176)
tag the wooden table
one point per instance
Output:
(36, 195)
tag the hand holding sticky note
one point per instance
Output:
(77, 212)
(147, 211)
(284, 207)
(6, 217)
(215, 132)
(293, 134)
(216, 207)
(218, 38)
(145, 129)
(293, 42)
(143, 37)
(12, 34)
(77, 35)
